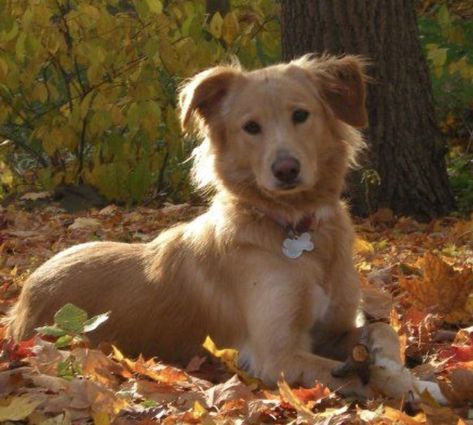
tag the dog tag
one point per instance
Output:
(294, 247)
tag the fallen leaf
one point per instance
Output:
(457, 386)
(195, 363)
(229, 357)
(402, 418)
(34, 196)
(363, 247)
(99, 367)
(383, 215)
(312, 395)
(62, 419)
(101, 418)
(233, 389)
(376, 302)
(288, 395)
(85, 223)
(18, 408)
(442, 289)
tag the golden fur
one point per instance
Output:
(224, 274)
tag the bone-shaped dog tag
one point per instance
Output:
(294, 247)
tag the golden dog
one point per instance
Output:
(268, 268)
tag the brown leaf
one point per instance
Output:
(458, 386)
(376, 302)
(89, 394)
(442, 289)
(156, 391)
(99, 367)
(85, 223)
(383, 215)
(233, 389)
(195, 363)
(47, 356)
(438, 415)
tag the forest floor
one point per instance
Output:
(418, 277)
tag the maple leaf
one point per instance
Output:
(311, 396)
(442, 289)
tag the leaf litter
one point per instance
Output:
(416, 276)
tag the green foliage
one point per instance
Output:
(88, 88)
(70, 325)
(448, 42)
(69, 368)
(460, 171)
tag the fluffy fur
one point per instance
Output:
(224, 274)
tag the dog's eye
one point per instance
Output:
(252, 127)
(299, 116)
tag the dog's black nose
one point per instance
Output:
(286, 169)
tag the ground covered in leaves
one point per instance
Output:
(416, 276)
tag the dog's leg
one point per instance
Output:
(279, 340)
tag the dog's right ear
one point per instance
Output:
(203, 94)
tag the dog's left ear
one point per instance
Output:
(341, 83)
(203, 94)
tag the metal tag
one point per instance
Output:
(294, 247)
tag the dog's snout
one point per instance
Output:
(286, 169)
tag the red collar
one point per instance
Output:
(306, 223)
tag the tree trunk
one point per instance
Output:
(221, 6)
(406, 149)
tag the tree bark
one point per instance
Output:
(406, 149)
(213, 6)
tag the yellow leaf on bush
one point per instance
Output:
(442, 289)
(155, 6)
(230, 27)
(216, 24)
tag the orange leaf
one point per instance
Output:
(314, 394)
(442, 289)
(402, 418)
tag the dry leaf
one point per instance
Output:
(87, 223)
(89, 394)
(229, 357)
(233, 389)
(17, 408)
(363, 247)
(288, 395)
(442, 289)
(457, 386)
(376, 302)
(383, 215)
(99, 367)
(402, 418)
(34, 196)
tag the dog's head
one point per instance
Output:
(281, 132)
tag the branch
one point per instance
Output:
(27, 148)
